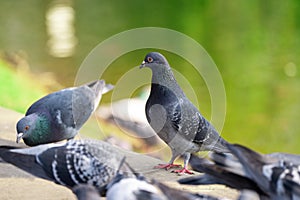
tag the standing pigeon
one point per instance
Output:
(174, 118)
(61, 114)
(71, 163)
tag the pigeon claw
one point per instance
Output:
(183, 171)
(167, 166)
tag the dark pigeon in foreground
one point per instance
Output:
(271, 176)
(135, 187)
(174, 118)
(61, 114)
(138, 188)
(220, 173)
(70, 163)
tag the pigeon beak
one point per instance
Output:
(142, 65)
(19, 137)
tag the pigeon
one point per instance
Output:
(133, 187)
(137, 187)
(271, 176)
(130, 116)
(176, 194)
(217, 173)
(174, 118)
(61, 114)
(69, 163)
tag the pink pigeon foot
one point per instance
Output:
(183, 171)
(167, 166)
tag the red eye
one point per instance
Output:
(26, 128)
(150, 60)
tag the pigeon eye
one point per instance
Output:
(150, 60)
(26, 128)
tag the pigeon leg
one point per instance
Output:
(186, 162)
(169, 165)
(183, 171)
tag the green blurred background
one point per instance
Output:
(255, 45)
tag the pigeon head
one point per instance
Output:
(153, 60)
(30, 127)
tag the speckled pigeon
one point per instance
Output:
(271, 176)
(69, 163)
(61, 114)
(174, 118)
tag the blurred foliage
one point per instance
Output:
(18, 89)
(255, 45)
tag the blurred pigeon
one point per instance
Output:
(71, 163)
(272, 176)
(135, 187)
(278, 175)
(220, 173)
(174, 118)
(138, 188)
(129, 114)
(86, 192)
(61, 114)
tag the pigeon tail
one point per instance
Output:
(252, 162)
(26, 162)
(107, 88)
(220, 146)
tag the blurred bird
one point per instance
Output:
(61, 114)
(70, 164)
(217, 172)
(174, 118)
(275, 176)
(129, 114)
(135, 187)
(138, 188)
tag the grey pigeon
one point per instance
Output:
(138, 188)
(129, 114)
(134, 187)
(218, 172)
(61, 114)
(69, 163)
(275, 174)
(271, 176)
(174, 118)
